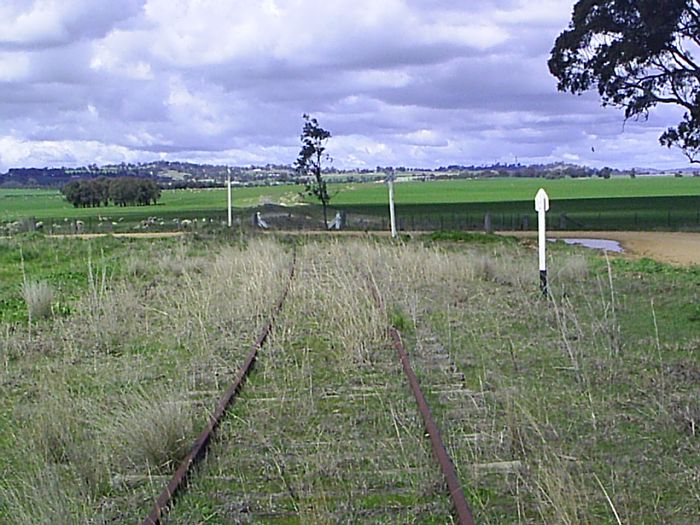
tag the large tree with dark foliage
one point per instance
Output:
(309, 161)
(636, 53)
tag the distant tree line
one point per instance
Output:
(120, 191)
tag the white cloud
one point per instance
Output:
(19, 152)
(46, 23)
(396, 82)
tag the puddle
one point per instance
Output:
(597, 244)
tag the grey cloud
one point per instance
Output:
(63, 22)
(424, 83)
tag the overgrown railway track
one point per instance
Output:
(199, 448)
(351, 401)
(459, 501)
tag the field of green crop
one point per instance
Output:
(50, 204)
(619, 203)
(513, 189)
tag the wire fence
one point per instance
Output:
(641, 220)
(293, 220)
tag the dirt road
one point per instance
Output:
(134, 235)
(679, 248)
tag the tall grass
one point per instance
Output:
(130, 380)
(579, 409)
(38, 296)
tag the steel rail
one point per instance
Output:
(199, 448)
(459, 501)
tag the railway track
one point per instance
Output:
(322, 432)
(201, 444)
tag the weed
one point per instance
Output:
(470, 237)
(47, 497)
(38, 297)
(573, 268)
(546, 417)
(152, 432)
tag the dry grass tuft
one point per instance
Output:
(45, 498)
(152, 431)
(60, 433)
(38, 296)
(573, 268)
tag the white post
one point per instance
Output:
(542, 206)
(392, 215)
(229, 197)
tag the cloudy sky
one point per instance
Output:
(398, 82)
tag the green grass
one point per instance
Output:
(62, 264)
(50, 204)
(622, 213)
(666, 203)
(79, 392)
(513, 189)
(597, 386)
(618, 203)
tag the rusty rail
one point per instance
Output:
(199, 447)
(459, 501)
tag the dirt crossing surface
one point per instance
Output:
(131, 235)
(678, 248)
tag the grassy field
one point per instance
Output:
(579, 410)
(50, 204)
(618, 203)
(514, 189)
(576, 204)
(629, 213)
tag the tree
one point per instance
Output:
(636, 53)
(101, 185)
(123, 191)
(72, 192)
(309, 161)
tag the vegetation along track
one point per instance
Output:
(459, 502)
(582, 409)
(325, 430)
(200, 446)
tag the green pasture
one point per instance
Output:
(618, 203)
(575, 204)
(50, 204)
(514, 189)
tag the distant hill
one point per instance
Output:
(186, 174)
(167, 174)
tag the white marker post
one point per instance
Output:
(392, 216)
(230, 222)
(541, 207)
